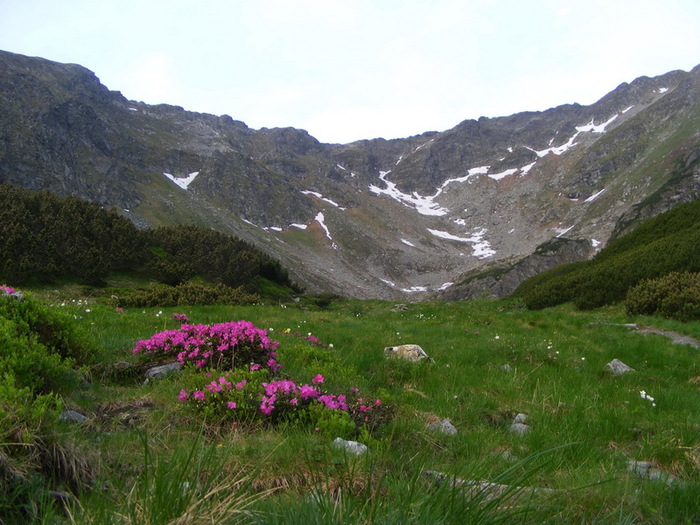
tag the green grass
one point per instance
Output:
(585, 423)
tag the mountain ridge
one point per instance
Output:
(393, 219)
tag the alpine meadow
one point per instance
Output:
(205, 323)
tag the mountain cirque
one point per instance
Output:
(466, 212)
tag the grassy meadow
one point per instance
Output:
(149, 460)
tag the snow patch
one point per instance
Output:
(423, 205)
(414, 289)
(627, 109)
(320, 219)
(481, 248)
(594, 196)
(503, 174)
(324, 199)
(563, 231)
(663, 90)
(527, 168)
(445, 286)
(595, 243)
(408, 243)
(300, 226)
(182, 182)
(387, 282)
(590, 127)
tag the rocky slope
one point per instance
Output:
(399, 219)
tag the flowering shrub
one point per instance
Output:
(224, 345)
(247, 395)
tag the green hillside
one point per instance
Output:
(667, 243)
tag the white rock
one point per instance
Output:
(351, 447)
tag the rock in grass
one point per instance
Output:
(519, 427)
(351, 447)
(71, 416)
(413, 353)
(646, 470)
(618, 368)
(445, 426)
(162, 370)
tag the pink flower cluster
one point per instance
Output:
(7, 289)
(182, 318)
(280, 395)
(231, 344)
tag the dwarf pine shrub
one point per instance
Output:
(186, 294)
(676, 296)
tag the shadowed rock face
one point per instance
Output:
(397, 219)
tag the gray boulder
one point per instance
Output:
(618, 368)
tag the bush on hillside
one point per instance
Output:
(676, 296)
(190, 294)
(667, 243)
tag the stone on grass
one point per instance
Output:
(519, 427)
(351, 447)
(71, 416)
(506, 368)
(487, 491)
(618, 368)
(445, 426)
(413, 353)
(646, 470)
(162, 370)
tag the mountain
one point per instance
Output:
(461, 213)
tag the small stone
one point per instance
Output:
(519, 429)
(162, 370)
(646, 470)
(445, 426)
(351, 447)
(617, 367)
(506, 368)
(413, 353)
(400, 308)
(520, 418)
(71, 416)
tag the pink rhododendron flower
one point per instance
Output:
(318, 379)
(7, 289)
(198, 394)
(254, 367)
(231, 405)
(183, 396)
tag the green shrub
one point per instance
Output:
(676, 296)
(40, 347)
(186, 294)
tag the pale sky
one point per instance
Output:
(346, 70)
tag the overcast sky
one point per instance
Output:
(358, 69)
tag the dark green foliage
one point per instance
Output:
(39, 350)
(44, 238)
(183, 252)
(664, 244)
(186, 294)
(676, 296)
